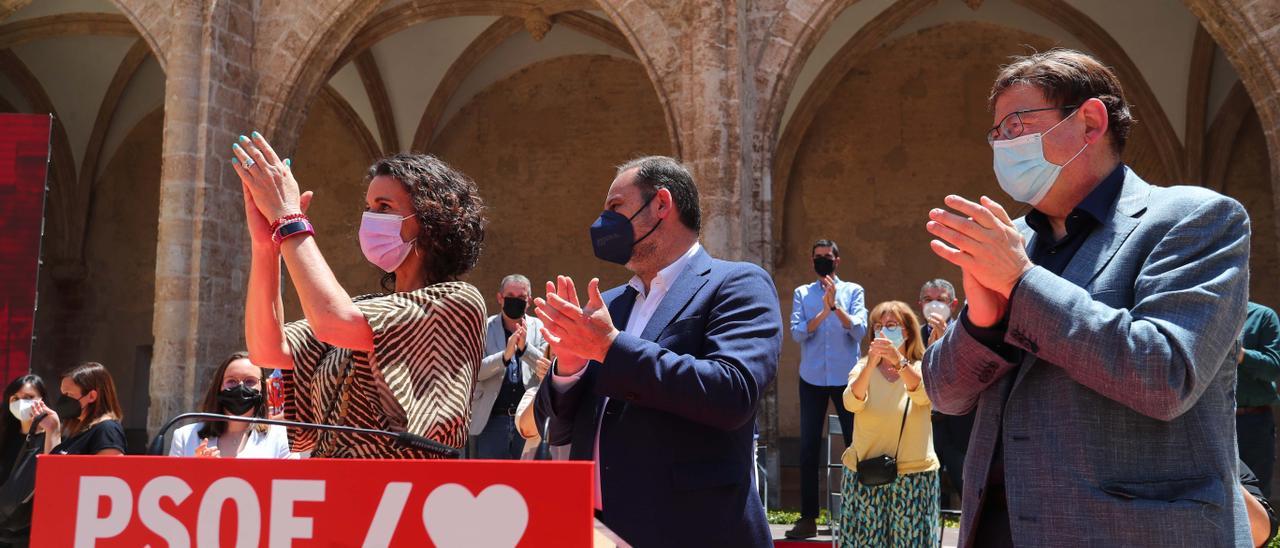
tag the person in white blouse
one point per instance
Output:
(236, 389)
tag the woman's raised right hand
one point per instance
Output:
(259, 226)
(51, 422)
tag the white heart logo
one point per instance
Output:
(496, 518)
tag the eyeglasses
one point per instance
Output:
(250, 383)
(879, 326)
(1011, 126)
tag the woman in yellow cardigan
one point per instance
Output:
(891, 419)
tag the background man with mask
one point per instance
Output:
(828, 319)
(1097, 340)
(659, 380)
(938, 307)
(512, 347)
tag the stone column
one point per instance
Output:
(200, 266)
(708, 84)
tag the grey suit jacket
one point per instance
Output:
(1118, 423)
(489, 379)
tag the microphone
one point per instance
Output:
(156, 447)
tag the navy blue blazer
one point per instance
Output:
(676, 439)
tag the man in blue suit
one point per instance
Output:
(658, 381)
(1097, 341)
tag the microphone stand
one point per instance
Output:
(156, 447)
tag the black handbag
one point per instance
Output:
(883, 469)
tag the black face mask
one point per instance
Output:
(513, 307)
(613, 237)
(67, 408)
(824, 266)
(239, 400)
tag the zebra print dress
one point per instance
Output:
(427, 347)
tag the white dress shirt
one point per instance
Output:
(272, 444)
(646, 304)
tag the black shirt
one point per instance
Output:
(107, 434)
(16, 493)
(12, 447)
(1053, 255)
(512, 386)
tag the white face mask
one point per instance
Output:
(1021, 168)
(380, 240)
(937, 307)
(21, 409)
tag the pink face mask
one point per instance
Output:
(380, 240)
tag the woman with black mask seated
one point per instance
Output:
(89, 413)
(235, 389)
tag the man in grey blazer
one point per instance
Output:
(512, 346)
(1096, 343)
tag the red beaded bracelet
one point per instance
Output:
(290, 217)
(292, 228)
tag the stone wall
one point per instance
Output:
(331, 161)
(1248, 180)
(903, 129)
(542, 145)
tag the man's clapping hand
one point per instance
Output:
(987, 248)
(828, 292)
(937, 328)
(515, 343)
(577, 334)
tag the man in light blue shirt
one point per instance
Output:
(829, 320)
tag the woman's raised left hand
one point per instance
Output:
(267, 177)
(884, 349)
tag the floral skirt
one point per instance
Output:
(899, 514)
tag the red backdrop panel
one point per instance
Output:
(158, 501)
(24, 162)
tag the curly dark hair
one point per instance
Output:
(449, 210)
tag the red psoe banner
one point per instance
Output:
(181, 502)
(24, 162)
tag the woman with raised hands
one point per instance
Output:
(890, 491)
(404, 360)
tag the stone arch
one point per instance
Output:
(63, 195)
(1246, 34)
(869, 37)
(69, 203)
(479, 49)
(491, 38)
(1149, 111)
(786, 46)
(65, 24)
(1222, 135)
(352, 120)
(284, 95)
(651, 40)
(359, 28)
(127, 23)
(1165, 146)
(150, 21)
